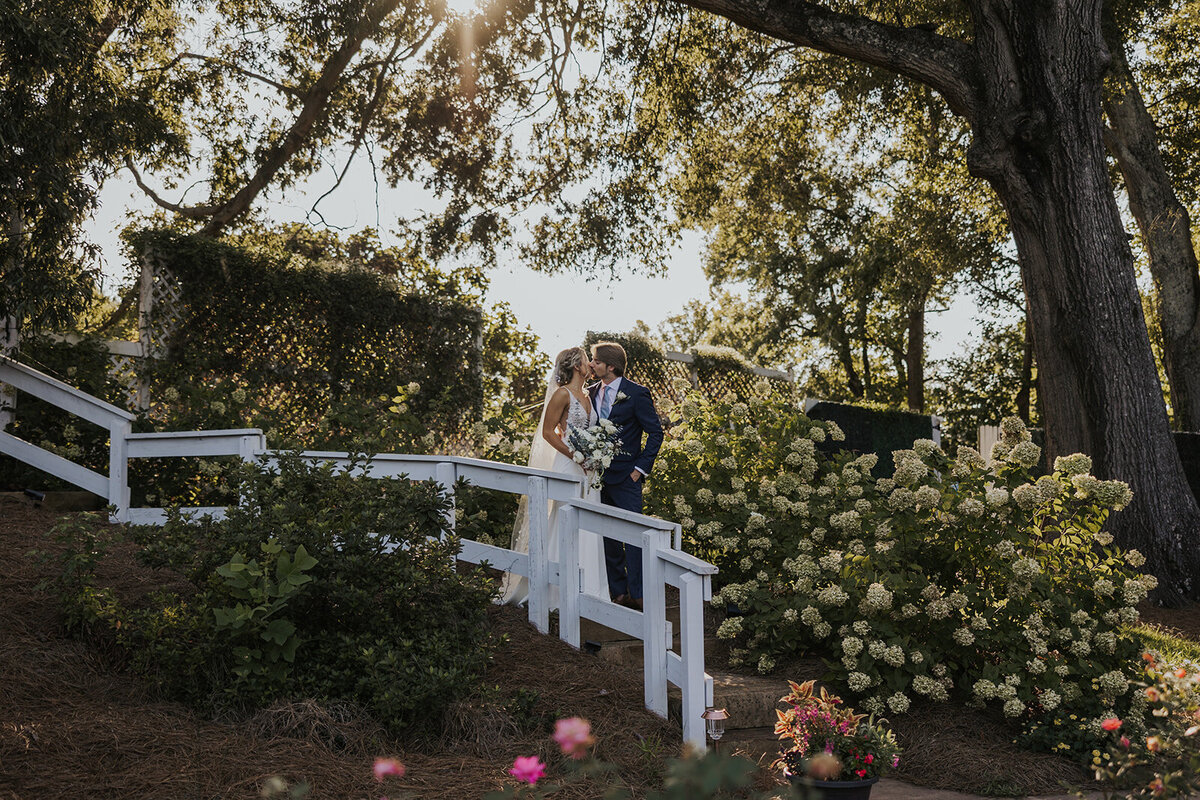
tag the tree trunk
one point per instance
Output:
(1026, 377)
(1039, 143)
(915, 359)
(1166, 230)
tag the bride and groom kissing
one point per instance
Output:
(573, 402)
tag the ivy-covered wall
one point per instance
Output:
(308, 338)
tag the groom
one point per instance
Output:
(630, 407)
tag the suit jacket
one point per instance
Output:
(634, 417)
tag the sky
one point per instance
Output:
(560, 309)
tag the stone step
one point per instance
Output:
(751, 700)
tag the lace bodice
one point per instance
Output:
(577, 415)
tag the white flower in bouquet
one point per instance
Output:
(594, 449)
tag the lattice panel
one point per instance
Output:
(161, 308)
(124, 370)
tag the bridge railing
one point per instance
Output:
(663, 563)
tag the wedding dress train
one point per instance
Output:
(592, 578)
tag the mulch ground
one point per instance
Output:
(74, 723)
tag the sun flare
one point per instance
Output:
(462, 6)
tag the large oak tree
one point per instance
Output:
(1026, 77)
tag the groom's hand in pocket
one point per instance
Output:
(635, 476)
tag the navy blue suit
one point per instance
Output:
(635, 418)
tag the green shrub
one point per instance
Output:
(317, 584)
(946, 580)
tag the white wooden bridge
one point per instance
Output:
(663, 562)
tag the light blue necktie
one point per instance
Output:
(605, 405)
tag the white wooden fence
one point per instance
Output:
(663, 563)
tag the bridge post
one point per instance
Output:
(691, 653)
(10, 337)
(118, 468)
(446, 476)
(539, 570)
(654, 613)
(568, 575)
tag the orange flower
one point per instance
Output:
(1181, 673)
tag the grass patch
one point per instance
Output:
(1169, 644)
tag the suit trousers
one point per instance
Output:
(623, 562)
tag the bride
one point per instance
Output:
(567, 406)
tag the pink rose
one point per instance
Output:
(388, 766)
(528, 769)
(574, 736)
(1111, 724)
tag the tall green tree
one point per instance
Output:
(75, 99)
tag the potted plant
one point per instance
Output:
(828, 747)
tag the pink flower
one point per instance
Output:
(528, 769)
(869, 758)
(895, 761)
(1111, 724)
(388, 766)
(574, 736)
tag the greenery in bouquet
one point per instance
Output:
(827, 740)
(951, 578)
(594, 448)
(1156, 754)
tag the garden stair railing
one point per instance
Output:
(663, 563)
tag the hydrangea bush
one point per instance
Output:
(947, 579)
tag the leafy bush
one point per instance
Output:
(317, 584)
(946, 579)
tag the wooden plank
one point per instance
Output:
(568, 586)
(53, 464)
(654, 600)
(118, 469)
(611, 615)
(539, 582)
(171, 444)
(158, 516)
(56, 392)
(691, 659)
(496, 557)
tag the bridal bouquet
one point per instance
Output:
(594, 449)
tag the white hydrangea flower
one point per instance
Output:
(996, 497)
(878, 597)
(704, 497)
(835, 432)
(898, 703)
(832, 595)
(730, 628)
(817, 434)
(861, 627)
(852, 645)
(1025, 496)
(1036, 666)
(822, 630)
(908, 610)
(1050, 699)
(1114, 683)
(928, 497)
(1134, 559)
(1014, 707)
(1025, 453)
(1102, 538)
(765, 664)
(984, 689)
(1026, 568)
(901, 499)
(894, 655)
(971, 507)
(810, 616)
(963, 636)
(790, 615)
(858, 681)
(925, 447)
(1075, 464)
(1006, 549)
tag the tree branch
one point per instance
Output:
(947, 65)
(190, 212)
(290, 90)
(316, 99)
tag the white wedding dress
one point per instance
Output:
(591, 547)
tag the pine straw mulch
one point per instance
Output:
(73, 724)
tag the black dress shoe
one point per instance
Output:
(620, 599)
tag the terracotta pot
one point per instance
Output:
(837, 790)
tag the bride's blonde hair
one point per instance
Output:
(567, 362)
